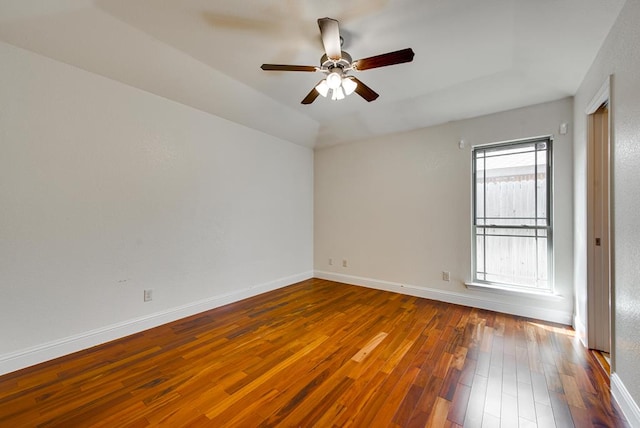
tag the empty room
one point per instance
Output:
(393, 213)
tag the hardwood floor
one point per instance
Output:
(324, 354)
(603, 358)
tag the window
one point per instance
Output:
(512, 214)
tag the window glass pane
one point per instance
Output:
(480, 183)
(479, 252)
(542, 264)
(511, 187)
(516, 260)
(541, 187)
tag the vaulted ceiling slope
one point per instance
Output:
(472, 57)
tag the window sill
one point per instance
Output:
(509, 291)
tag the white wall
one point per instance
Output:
(398, 209)
(106, 190)
(619, 56)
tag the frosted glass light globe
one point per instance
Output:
(334, 80)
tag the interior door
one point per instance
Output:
(601, 254)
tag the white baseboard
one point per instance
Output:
(47, 351)
(625, 401)
(524, 310)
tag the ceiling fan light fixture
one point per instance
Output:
(334, 80)
(336, 65)
(323, 88)
(349, 85)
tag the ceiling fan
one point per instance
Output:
(336, 64)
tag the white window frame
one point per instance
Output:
(547, 227)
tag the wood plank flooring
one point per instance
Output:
(323, 354)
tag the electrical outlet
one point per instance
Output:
(330, 262)
(148, 295)
(344, 263)
(446, 276)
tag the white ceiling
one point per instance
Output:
(472, 57)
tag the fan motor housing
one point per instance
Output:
(344, 62)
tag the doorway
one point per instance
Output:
(599, 281)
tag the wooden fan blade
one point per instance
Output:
(311, 96)
(330, 32)
(282, 67)
(390, 58)
(364, 91)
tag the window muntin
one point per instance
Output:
(512, 214)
